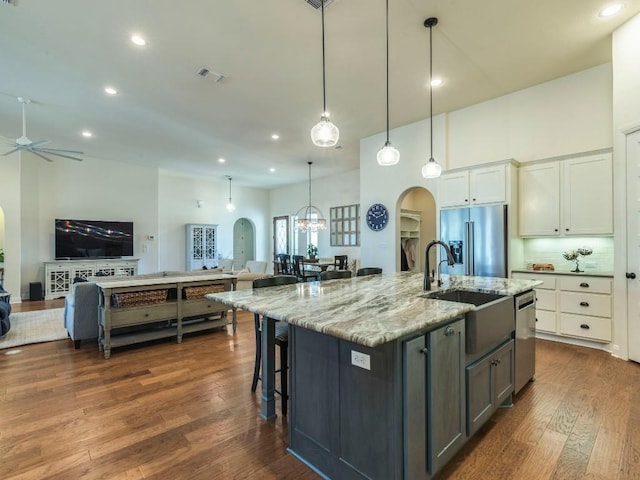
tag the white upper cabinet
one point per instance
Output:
(587, 195)
(476, 186)
(539, 199)
(568, 197)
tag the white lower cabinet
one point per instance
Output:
(573, 305)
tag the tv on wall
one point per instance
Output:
(93, 239)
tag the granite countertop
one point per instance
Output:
(588, 273)
(369, 310)
(161, 280)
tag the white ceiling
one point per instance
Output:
(61, 54)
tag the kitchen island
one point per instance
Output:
(377, 370)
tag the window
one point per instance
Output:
(345, 226)
(300, 240)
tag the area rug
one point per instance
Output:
(35, 327)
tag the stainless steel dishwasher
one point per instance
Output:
(525, 348)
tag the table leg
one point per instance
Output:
(268, 405)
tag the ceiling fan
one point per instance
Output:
(37, 148)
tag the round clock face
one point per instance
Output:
(377, 216)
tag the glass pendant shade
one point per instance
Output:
(431, 169)
(310, 218)
(230, 207)
(388, 155)
(324, 133)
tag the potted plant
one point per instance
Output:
(312, 251)
(1, 255)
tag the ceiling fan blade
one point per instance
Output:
(10, 152)
(38, 143)
(52, 150)
(57, 154)
(41, 156)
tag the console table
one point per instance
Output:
(59, 274)
(143, 309)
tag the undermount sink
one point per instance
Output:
(490, 323)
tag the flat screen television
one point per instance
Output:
(92, 239)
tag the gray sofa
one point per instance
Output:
(81, 305)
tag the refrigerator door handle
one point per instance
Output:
(465, 250)
(470, 249)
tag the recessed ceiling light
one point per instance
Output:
(275, 136)
(138, 40)
(221, 160)
(436, 82)
(87, 134)
(611, 10)
(110, 91)
(272, 169)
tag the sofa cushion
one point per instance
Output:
(256, 266)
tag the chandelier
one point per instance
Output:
(310, 218)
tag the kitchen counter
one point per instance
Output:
(588, 273)
(370, 310)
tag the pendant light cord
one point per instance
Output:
(309, 185)
(431, 87)
(387, 71)
(324, 91)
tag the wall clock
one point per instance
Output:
(377, 217)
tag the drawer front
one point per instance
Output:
(204, 307)
(586, 284)
(546, 300)
(592, 328)
(122, 317)
(593, 304)
(549, 281)
(545, 321)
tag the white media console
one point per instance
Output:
(59, 274)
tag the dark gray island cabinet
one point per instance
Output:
(387, 381)
(390, 412)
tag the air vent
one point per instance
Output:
(317, 3)
(205, 72)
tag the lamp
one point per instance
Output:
(324, 133)
(230, 206)
(310, 218)
(431, 169)
(388, 154)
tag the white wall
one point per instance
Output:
(626, 116)
(326, 192)
(10, 204)
(178, 206)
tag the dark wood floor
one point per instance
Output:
(169, 411)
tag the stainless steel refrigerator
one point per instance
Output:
(477, 237)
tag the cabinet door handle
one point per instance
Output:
(555, 229)
(566, 229)
(630, 275)
(584, 285)
(424, 350)
(584, 304)
(449, 331)
(585, 326)
(473, 199)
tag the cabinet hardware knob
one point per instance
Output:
(449, 331)
(584, 285)
(473, 199)
(466, 199)
(424, 350)
(536, 319)
(584, 304)
(555, 229)
(566, 229)
(585, 326)
(631, 275)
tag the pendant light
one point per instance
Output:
(388, 154)
(324, 133)
(431, 169)
(310, 218)
(230, 206)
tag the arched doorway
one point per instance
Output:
(417, 212)
(243, 241)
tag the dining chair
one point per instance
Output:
(368, 271)
(281, 340)
(285, 264)
(299, 271)
(340, 262)
(333, 274)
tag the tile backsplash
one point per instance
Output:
(550, 250)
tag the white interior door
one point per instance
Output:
(633, 244)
